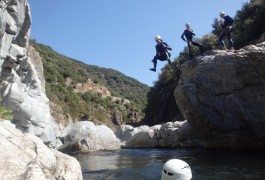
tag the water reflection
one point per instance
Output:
(147, 164)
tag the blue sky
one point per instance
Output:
(119, 34)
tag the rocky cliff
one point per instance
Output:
(222, 96)
(24, 156)
(21, 89)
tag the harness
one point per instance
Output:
(225, 31)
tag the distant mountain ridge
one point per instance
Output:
(64, 75)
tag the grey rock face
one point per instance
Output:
(20, 86)
(24, 156)
(171, 134)
(85, 137)
(222, 96)
(124, 132)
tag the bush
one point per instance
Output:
(5, 113)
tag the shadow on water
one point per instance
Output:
(148, 163)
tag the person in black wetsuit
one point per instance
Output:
(226, 24)
(188, 33)
(163, 52)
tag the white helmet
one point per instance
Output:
(176, 169)
(187, 25)
(222, 13)
(157, 37)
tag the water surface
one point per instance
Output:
(129, 164)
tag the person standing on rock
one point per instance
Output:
(163, 52)
(226, 25)
(188, 33)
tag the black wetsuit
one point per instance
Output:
(228, 21)
(162, 53)
(189, 39)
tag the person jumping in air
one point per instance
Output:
(163, 52)
(226, 24)
(188, 33)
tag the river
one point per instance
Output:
(147, 164)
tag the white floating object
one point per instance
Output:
(176, 169)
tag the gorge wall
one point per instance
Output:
(222, 96)
(22, 89)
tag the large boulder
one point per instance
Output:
(25, 156)
(222, 96)
(124, 132)
(22, 87)
(168, 135)
(142, 136)
(85, 136)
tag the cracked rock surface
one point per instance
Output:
(22, 87)
(33, 159)
(222, 95)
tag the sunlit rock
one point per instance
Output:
(21, 88)
(168, 135)
(222, 96)
(24, 156)
(84, 137)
